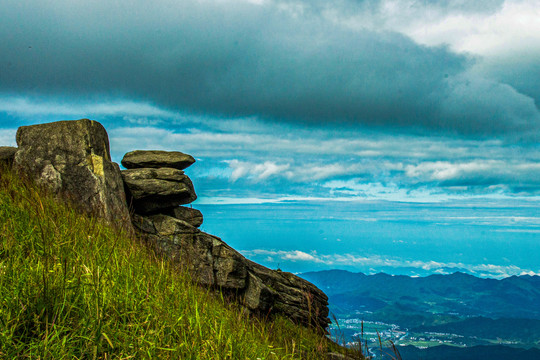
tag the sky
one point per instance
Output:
(420, 116)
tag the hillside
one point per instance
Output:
(72, 287)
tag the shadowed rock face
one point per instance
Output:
(212, 262)
(157, 159)
(192, 216)
(72, 158)
(7, 154)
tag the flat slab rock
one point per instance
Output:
(157, 159)
(155, 190)
(212, 262)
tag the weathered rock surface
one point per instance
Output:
(157, 159)
(213, 263)
(292, 296)
(72, 158)
(153, 190)
(192, 216)
(7, 154)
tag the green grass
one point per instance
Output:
(72, 287)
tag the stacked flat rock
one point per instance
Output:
(155, 182)
(157, 185)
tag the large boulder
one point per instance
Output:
(7, 154)
(72, 158)
(157, 159)
(212, 262)
(154, 190)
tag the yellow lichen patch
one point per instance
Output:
(96, 163)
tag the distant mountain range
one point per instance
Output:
(457, 294)
(473, 315)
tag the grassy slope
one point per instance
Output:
(71, 287)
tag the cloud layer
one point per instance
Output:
(276, 60)
(380, 263)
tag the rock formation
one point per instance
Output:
(156, 193)
(72, 158)
(212, 262)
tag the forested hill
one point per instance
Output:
(457, 293)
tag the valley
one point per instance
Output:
(443, 311)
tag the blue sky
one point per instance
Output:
(346, 107)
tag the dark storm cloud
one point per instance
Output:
(521, 72)
(242, 59)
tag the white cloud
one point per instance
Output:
(496, 170)
(530, 273)
(445, 170)
(24, 106)
(293, 172)
(257, 172)
(379, 191)
(471, 27)
(514, 28)
(302, 256)
(7, 137)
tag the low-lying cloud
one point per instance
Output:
(379, 263)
